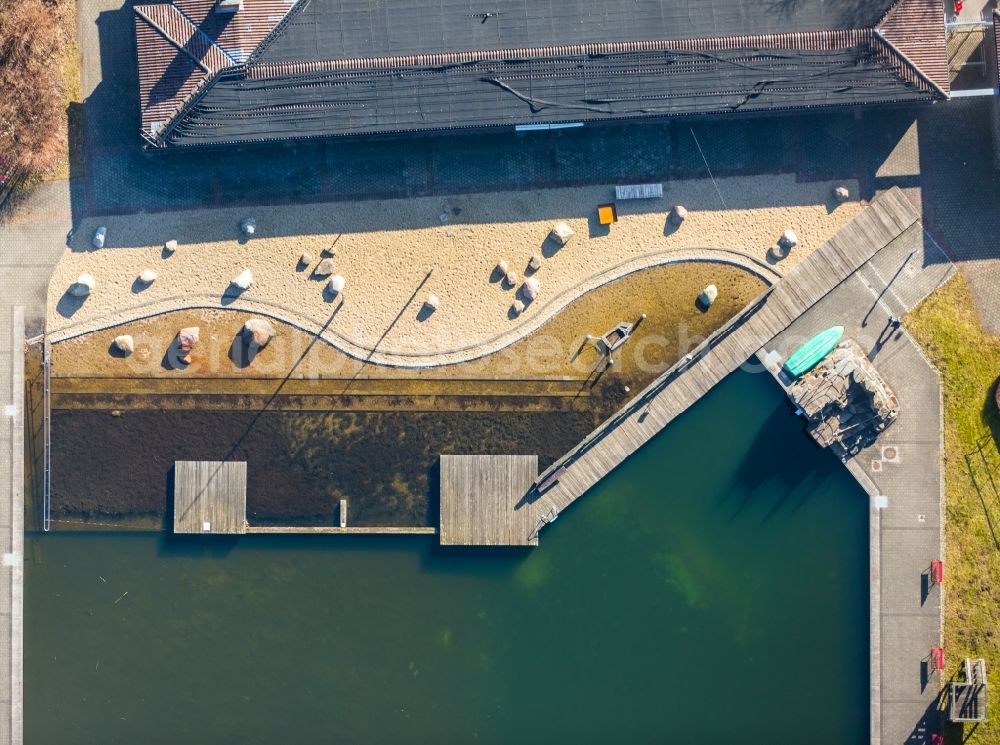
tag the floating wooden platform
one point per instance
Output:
(210, 497)
(482, 500)
(672, 393)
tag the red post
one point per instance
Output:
(937, 658)
(937, 738)
(937, 571)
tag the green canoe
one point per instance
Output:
(806, 357)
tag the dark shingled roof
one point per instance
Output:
(335, 67)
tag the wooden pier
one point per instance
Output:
(672, 393)
(483, 500)
(210, 497)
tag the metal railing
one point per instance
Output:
(47, 435)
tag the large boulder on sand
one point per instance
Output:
(147, 276)
(244, 280)
(324, 268)
(561, 233)
(170, 246)
(83, 286)
(677, 215)
(707, 296)
(125, 344)
(258, 331)
(788, 240)
(187, 338)
(531, 288)
(336, 284)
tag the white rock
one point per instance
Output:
(125, 344)
(788, 240)
(511, 278)
(517, 307)
(83, 286)
(841, 194)
(531, 288)
(432, 302)
(707, 296)
(258, 331)
(99, 236)
(248, 226)
(502, 266)
(336, 284)
(147, 276)
(244, 280)
(535, 262)
(561, 233)
(329, 251)
(306, 259)
(170, 246)
(324, 268)
(677, 215)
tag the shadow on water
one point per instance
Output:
(757, 480)
(178, 546)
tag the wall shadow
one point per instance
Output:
(119, 177)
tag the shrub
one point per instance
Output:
(32, 107)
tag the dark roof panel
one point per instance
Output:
(286, 69)
(547, 90)
(334, 29)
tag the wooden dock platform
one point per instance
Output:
(482, 500)
(672, 393)
(210, 497)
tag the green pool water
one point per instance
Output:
(711, 590)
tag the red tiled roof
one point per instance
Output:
(166, 77)
(915, 30)
(181, 46)
(238, 33)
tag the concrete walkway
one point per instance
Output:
(907, 530)
(30, 244)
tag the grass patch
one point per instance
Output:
(968, 359)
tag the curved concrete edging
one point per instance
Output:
(457, 355)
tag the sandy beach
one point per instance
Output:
(394, 254)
